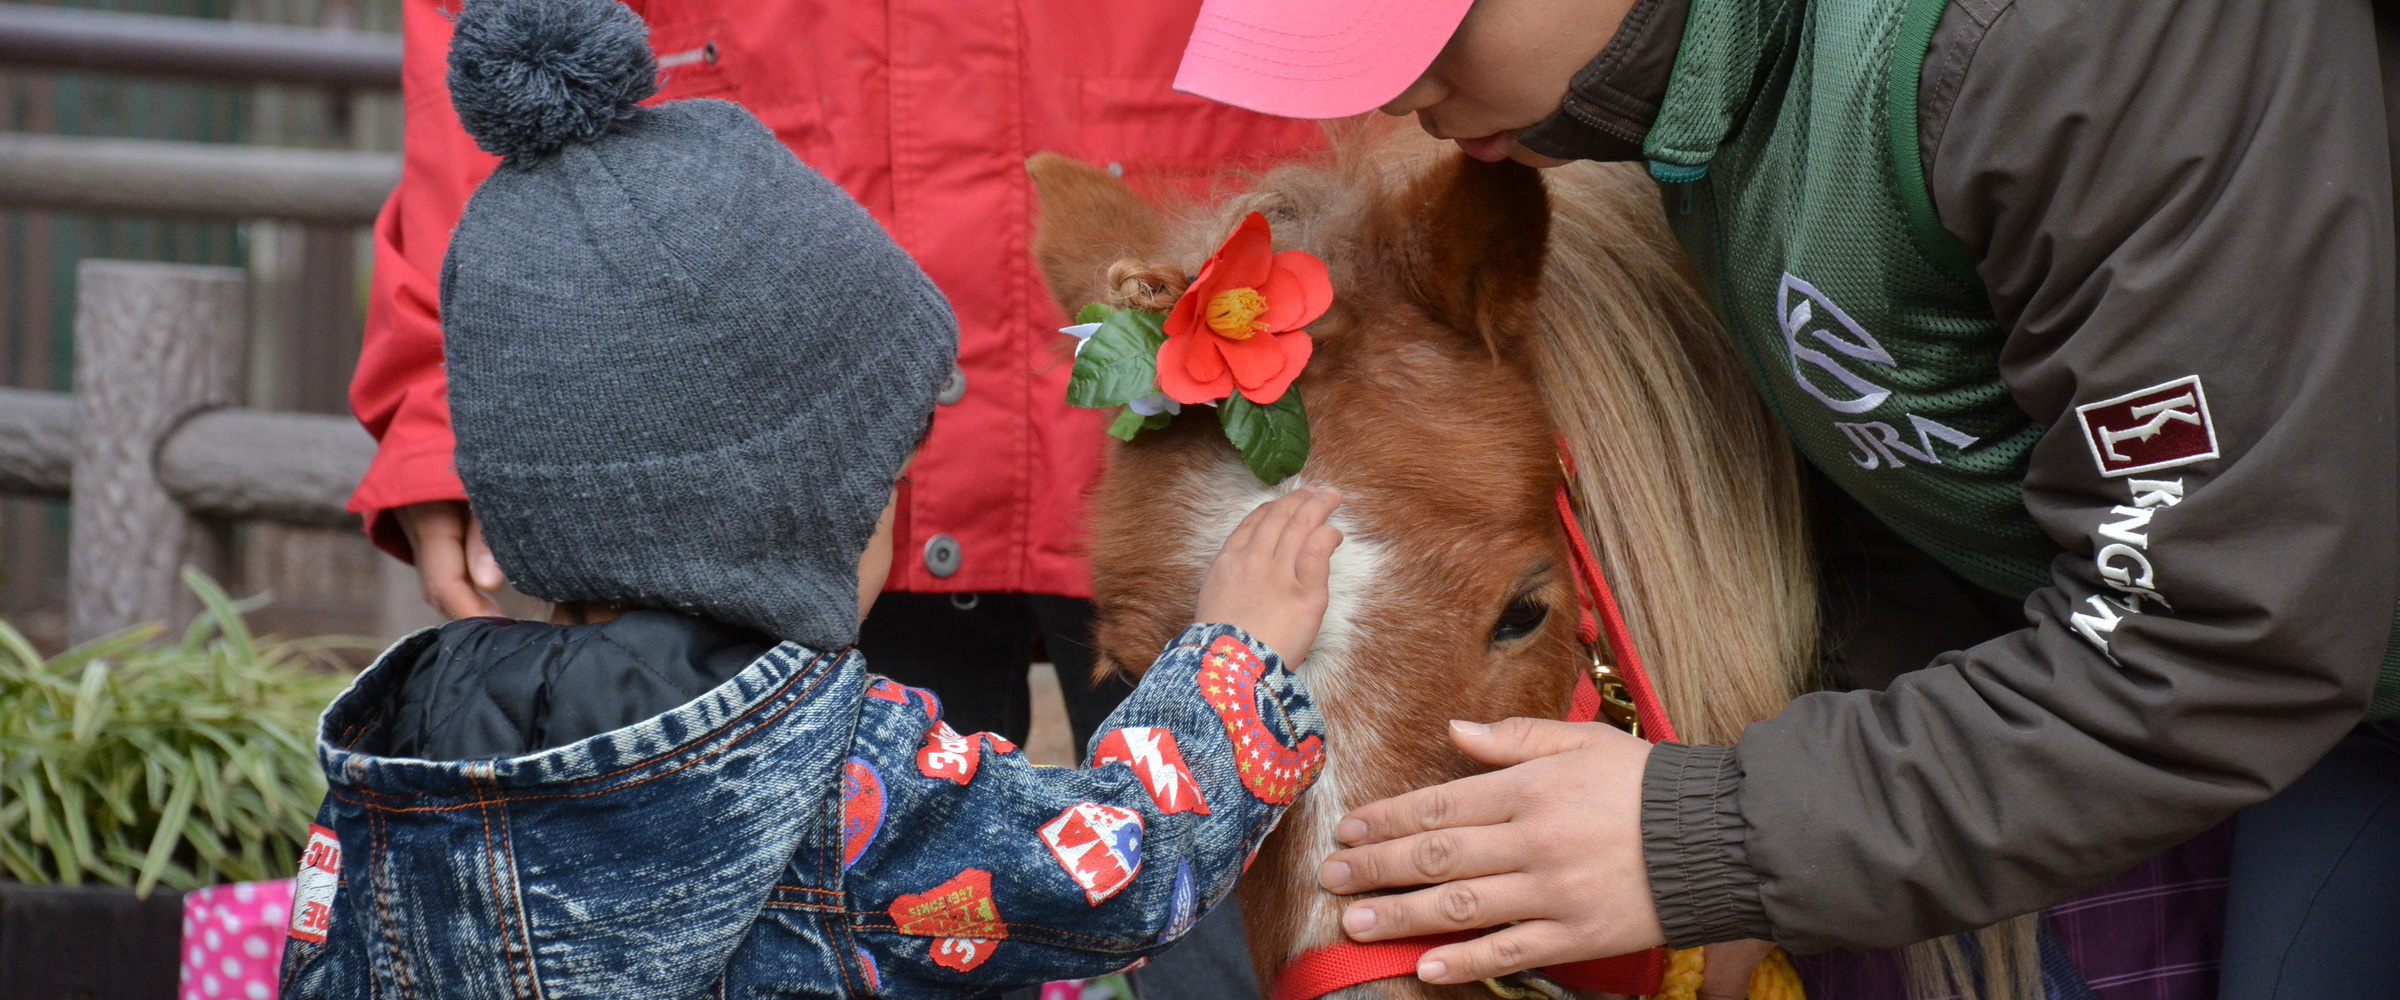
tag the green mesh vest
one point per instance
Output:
(1787, 152)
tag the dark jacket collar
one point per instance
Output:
(490, 687)
(1613, 100)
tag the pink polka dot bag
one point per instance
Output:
(233, 940)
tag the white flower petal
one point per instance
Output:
(1080, 331)
(1154, 404)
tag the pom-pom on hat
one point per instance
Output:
(528, 78)
(684, 368)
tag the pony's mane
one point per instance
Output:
(1688, 488)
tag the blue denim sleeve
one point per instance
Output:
(968, 866)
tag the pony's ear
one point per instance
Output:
(1470, 237)
(1089, 220)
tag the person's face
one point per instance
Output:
(875, 564)
(1506, 68)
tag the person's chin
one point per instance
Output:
(1530, 158)
(1500, 146)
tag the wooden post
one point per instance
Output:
(153, 344)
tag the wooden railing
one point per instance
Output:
(150, 451)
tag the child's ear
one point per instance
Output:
(1089, 220)
(1468, 238)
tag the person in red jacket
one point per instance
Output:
(925, 112)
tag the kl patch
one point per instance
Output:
(314, 888)
(1154, 757)
(1229, 674)
(960, 913)
(887, 689)
(2160, 427)
(1100, 846)
(862, 808)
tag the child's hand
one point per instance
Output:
(1269, 579)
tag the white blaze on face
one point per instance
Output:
(1223, 500)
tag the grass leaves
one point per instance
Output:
(129, 760)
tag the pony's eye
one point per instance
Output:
(1519, 619)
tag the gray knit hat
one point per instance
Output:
(684, 368)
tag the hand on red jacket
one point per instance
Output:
(1554, 840)
(455, 570)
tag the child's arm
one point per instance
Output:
(988, 870)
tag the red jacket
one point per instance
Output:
(925, 111)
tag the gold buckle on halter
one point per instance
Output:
(1527, 985)
(1616, 700)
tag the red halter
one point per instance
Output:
(1623, 693)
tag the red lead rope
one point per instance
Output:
(1346, 963)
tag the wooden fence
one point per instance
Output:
(150, 450)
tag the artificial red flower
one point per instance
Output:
(1239, 325)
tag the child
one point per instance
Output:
(685, 372)
(2085, 314)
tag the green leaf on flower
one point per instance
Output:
(1273, 439)
(1120, 363)
(1128, 423)
(1094, 312)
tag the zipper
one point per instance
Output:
(705, 52)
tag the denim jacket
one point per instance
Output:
(803, 829)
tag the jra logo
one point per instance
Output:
(1843, 335)
(1812, 327)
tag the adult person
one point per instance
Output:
(924, 112)
(2092, 305)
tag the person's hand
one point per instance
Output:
(455, 570)
(1553, 840)
(1270, 577)
(1726, 974)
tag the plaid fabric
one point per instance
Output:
(2149, 934)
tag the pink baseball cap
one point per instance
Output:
(1314, 58)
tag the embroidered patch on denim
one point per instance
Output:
(862, 807)
(949, 755)
(960, 912)
(963, 954)
(1156, 759)
(1229, 676)
(887, 689)
(946, 754)
(1100, 846)
(1182, 907)
(314, 888)
(866, 967)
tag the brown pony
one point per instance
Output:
(1481, 317)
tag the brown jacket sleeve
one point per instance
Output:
(2155, 192)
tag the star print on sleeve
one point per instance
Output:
(1276, 773)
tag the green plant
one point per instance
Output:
(133, 761)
